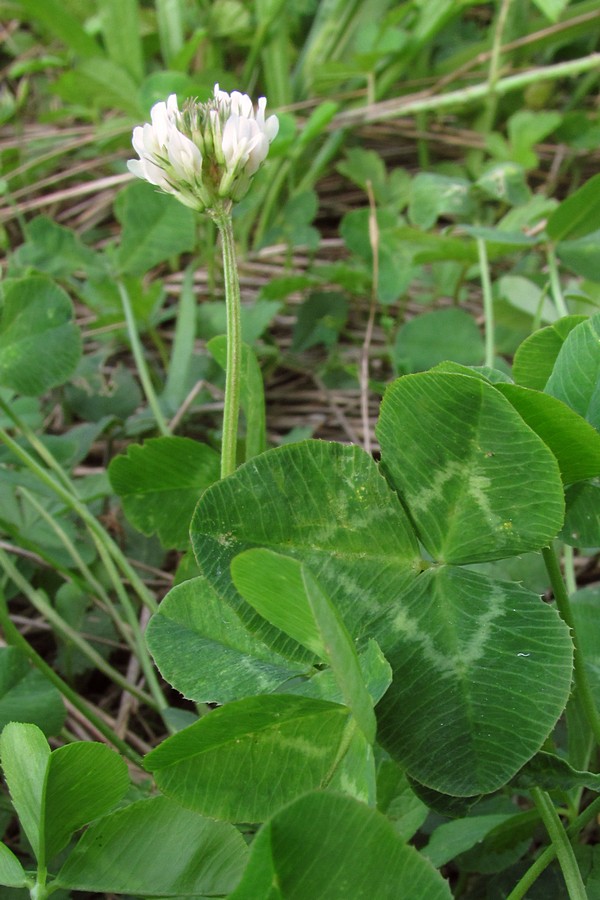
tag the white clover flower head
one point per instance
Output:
(207, 153)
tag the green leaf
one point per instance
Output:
(155, 848)
(581, 255)
(322, 684)
(155, 228)
(397, 800)
(353, 852)
(575, 378)
(24, 754)
(26, 695)
(456, 485)
(307, 614)
(582, 519)
(535, 358)
(56, 250)
(573, 441)
(60, 21)
(84, 780)
(160, 482)
(433, 195)
(229, 764)
(430, 338)
(577, 216)
(193, 624)
(12, 873)
(40, 344)
(585, 604)
(505, 181)
(551, 8)
(324, 503)
(121, 32)
(551, 773)
(452, 838)
(448, 640)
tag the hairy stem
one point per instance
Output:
(488, 302)
(231, 409)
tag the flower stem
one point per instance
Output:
(556, 290)
(488, 301)
(140, 362)
(564, 850)
(231, 410)
(564, 607)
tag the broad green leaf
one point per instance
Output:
(551, 8)
(447, 640)
(155, 227)
(192, 624)
(60, 21)
(535, 358)
(121, 25)
(433, 195)
(552, 773)
(26, 695)
(575, 378)
(160, 482)
(397, 800)
(84, 780)
(275, 586)
(577, 216)
(353, 852)
(12, 873)
(324, 503)
(283, 591)
(581, 255)
(376, 674)
(528, 127)
(355, 774)
(585, 605)
(452, 838)
(24, 754)
(582, 519)
(573, 441)
(430, 338)
(99, 83)
(505, 181)
(252, 394)
(40, 344)
(155, 848)
(479, 484)
(229, 764)
(57, 251)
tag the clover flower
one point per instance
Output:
(206, 153)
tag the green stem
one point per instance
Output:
(564, 607)
(15, 639)
(71, 634)
(555, 286)
(544, 859)
(488, 302)
(140, 362)
(561, 843)
(231, 410)
(70, 498)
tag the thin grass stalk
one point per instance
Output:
(15, 639)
